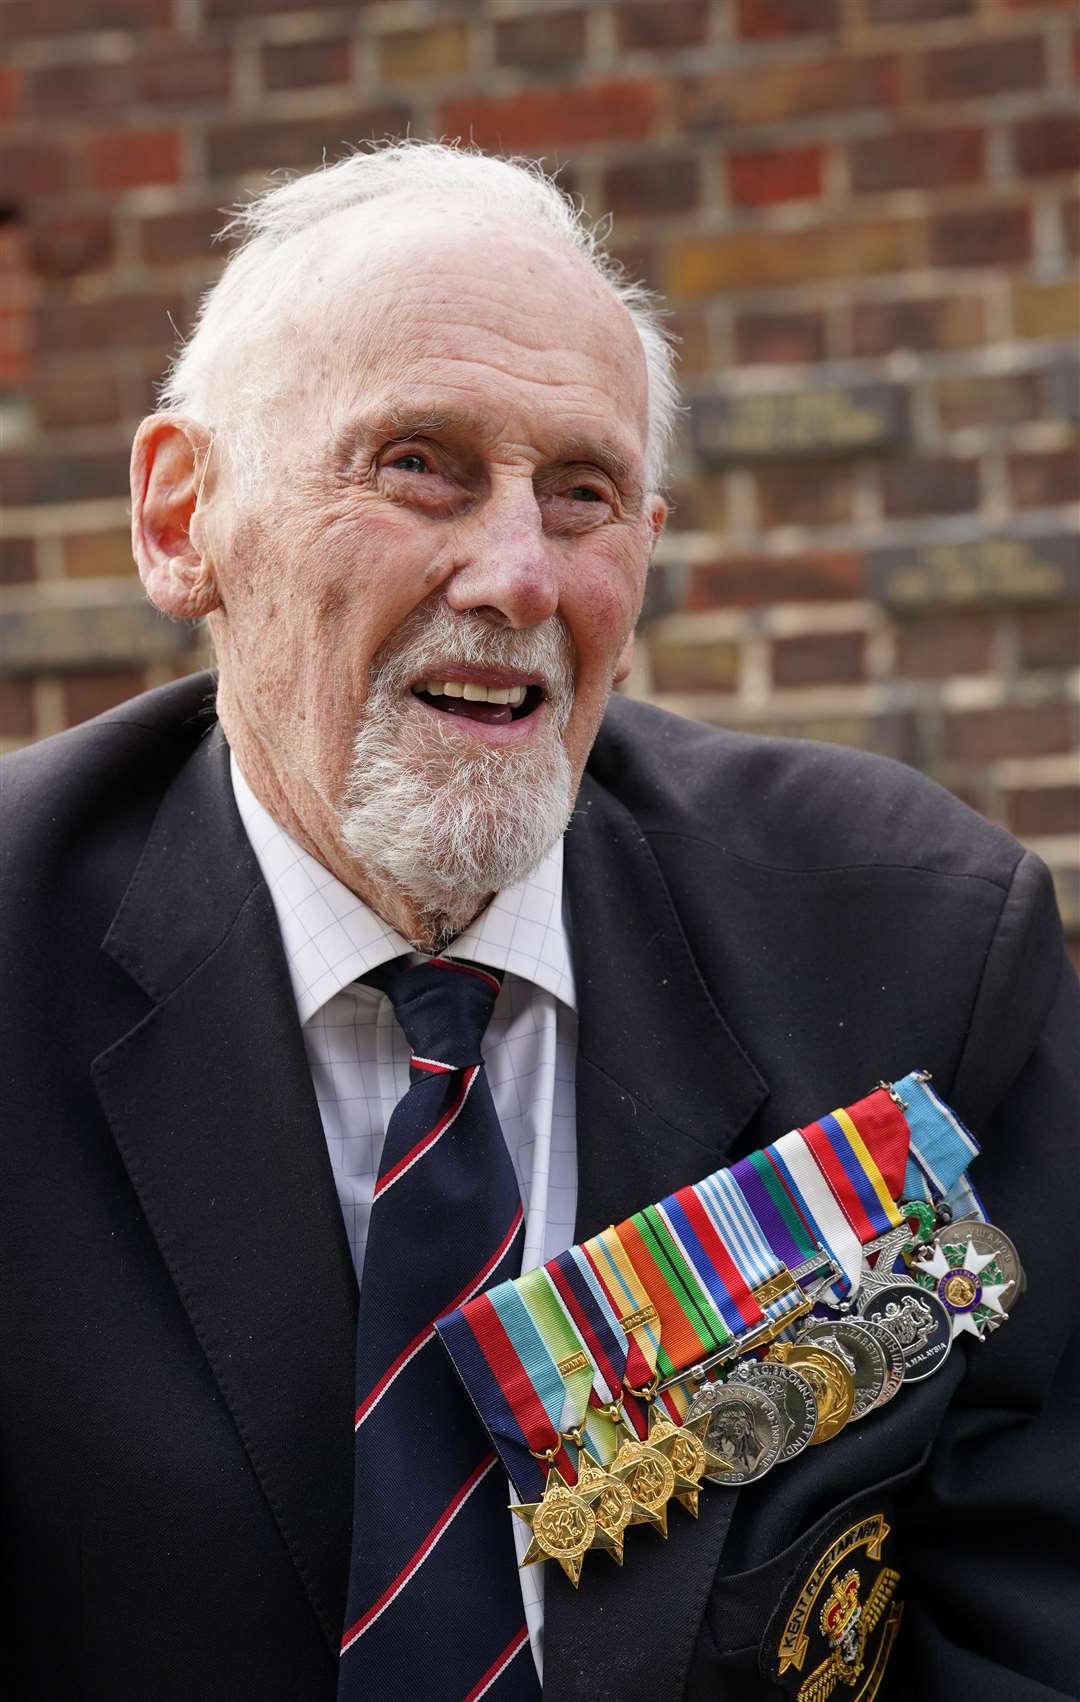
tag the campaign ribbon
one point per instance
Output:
(941, 1149)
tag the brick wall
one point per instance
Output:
(866, 217)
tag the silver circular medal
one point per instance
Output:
(863, 1352)
(745, 1429)
(919, 1322)
(894, 1359)
(792, 1394)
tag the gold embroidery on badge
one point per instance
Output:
(869, 1533)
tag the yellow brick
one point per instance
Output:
(439, 52)
(93, 555)
(701, 265)
(1047, 310)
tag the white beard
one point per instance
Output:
(448, 823)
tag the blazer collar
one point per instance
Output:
(212, 1108)
(663, 1091)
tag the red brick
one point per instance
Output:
(50, 478)
(17, 708)
(17, 561)
(11, 91)
(916, 11)
(563, 117)
(927, 322)
(1049, 143)
(778, 93)
(131, 159)
(1032, 811)
(735, 260)
(937, 649)
(653, 183)
(176, 74)
(778, 174)
(804, 493)
(220, 9)
(87, 87)
(304, 64)
(1048, 638)
(1037, 5)
(820, 658)
(87, 695)
(63, 396)
(745, 580)
(541, 42)
(929, 485)
(116, 322)
(1015, 730)
(237, 149)
(917, 159)
(755, 19)
(981, 236)
(677, 23)
(171, 238)
(28, 18)
(1041, 479)
(67, 248)
(784, 337)
(978, 69)
(35, 168)
(994, 400)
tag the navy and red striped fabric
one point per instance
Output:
(434, 1602)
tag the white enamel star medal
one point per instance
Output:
(968, 1277)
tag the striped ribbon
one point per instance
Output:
(630, 1312)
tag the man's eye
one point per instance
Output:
(586, 493)
(410, 463)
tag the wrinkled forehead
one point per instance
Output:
(505, 321)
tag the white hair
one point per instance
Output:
(279, 231)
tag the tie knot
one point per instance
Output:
(443, 1007)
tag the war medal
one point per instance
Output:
(568, 1360)
(965, 1267)
(859, 1348)
(792, 1394)
(562, 1523)
(612, 1509)
(744, 1428)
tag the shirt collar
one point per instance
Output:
(331, 937)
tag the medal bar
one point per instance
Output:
(734, 1324)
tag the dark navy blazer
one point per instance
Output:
(761, 930)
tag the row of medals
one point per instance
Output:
(837, 1370)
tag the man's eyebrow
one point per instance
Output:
(405, 420)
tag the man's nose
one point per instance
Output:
(507, 565)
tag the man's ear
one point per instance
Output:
(168, 464)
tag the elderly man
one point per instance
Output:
(408, 469)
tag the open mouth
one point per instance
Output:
(496, 705)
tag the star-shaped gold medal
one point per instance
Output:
(613, 1509)
(649, 1476)
(685, 1455)
(562, 1523)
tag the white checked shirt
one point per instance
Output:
(359, 1056)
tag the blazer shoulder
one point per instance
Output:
(790, 803)
(139, 745)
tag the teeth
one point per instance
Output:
(513, 695)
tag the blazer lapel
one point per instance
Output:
(663, 1092)
(212, 1108)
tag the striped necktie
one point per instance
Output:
(434, 1605)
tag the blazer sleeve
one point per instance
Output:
(990, 1536)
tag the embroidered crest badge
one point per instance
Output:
(833, 1640)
